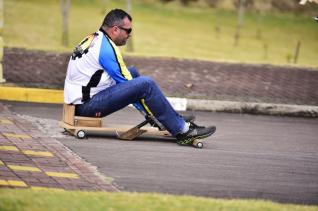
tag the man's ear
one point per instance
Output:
(115, 29)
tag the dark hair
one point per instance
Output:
(115, 17)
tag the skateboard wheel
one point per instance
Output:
(80, 134)
(197, 144)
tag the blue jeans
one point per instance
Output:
(120, 95)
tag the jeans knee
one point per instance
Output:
(133, 71)
(148, 80)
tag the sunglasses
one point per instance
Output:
(128, 31)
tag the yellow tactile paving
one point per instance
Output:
(5, 121)
(49, 173)
(12, 148)
(63, 175)
(12, 135)
(38, 153)
(46, 188)
(17, 183)
(27, 152)
(14, 183)
(24, 168)
(9, 148)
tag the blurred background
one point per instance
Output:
(247, 31)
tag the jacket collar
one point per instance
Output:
(104, 32)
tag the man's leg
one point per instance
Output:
(119, 96)
(134, 72)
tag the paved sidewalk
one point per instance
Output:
(30, 160)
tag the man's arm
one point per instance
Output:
(112, 61)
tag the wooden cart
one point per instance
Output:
(79, 127)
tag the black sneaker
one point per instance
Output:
(195, 132)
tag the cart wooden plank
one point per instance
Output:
(118, 129)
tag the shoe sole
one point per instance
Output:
(199, 137)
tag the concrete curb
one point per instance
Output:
(181, 104)
(35, 95)
(253, 108)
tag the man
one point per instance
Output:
(98, 82)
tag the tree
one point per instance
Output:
(130, 46)
(1, 41)
(65, 8)
(239, 22)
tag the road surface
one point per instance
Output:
(258, 157)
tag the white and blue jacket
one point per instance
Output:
(95, 65)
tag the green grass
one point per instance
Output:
(168, 30)
(26, 199)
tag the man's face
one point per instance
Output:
(122, 32)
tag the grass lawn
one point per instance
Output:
(168, 30)
(32, 200)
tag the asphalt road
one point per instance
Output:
(258, 157)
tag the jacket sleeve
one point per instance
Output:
(112, 61)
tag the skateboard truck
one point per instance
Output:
(134, 132)
(137, 131)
